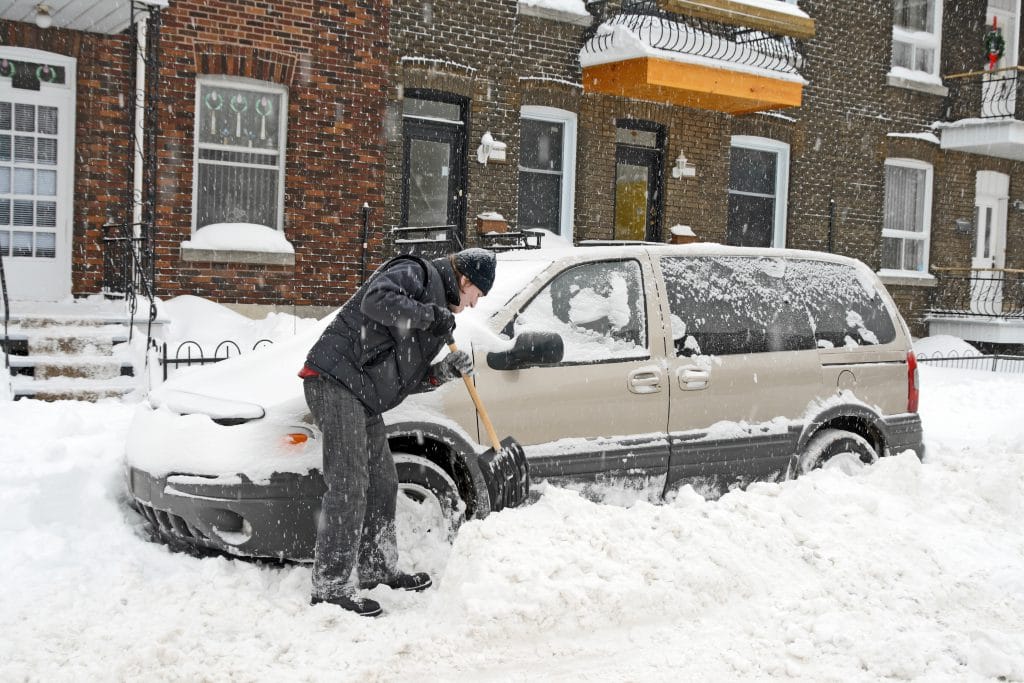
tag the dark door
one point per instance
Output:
(434, 168)
(638, 163)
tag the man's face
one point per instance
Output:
(468, 295)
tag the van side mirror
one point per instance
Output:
(528, 350)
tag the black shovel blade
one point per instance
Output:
(507, 474)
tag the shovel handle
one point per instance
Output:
(495, 441)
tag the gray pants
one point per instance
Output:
(357, 518)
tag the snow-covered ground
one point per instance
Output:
(905, 571)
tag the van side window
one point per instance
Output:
(845, 306)
(734, 305)
(599, 310)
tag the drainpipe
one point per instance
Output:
(831, 222)
(140, 122)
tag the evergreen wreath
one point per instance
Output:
(995, 44)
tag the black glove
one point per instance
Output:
(444, 322)
(453, 365)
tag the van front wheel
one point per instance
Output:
(838, 448)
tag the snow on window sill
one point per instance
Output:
(916, 80)
(907, 278)
(569, 11)
(263, 258)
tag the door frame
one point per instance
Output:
(437, 130)
(991, 191)
(654, 159)
(66, 95)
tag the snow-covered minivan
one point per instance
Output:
(648, 366)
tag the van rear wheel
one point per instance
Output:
(838, 448)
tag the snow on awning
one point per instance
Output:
(93, 16)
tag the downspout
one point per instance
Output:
(142, 28)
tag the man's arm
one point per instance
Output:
(392, 297)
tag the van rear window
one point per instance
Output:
(734, 305)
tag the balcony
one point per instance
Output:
(716, 55)
(980, 305)
(982, 114)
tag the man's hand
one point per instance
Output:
(444, 322)
(453, 365)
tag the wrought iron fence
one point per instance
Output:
(967, 361)
(191, 353)
(983, 95)
(698, 37)
(986, 292)
(7, 316)
(427, 241)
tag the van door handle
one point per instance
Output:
(645, 380)
(693, 378)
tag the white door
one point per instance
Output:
(36, 172)
(991, 198)
(1000, 89)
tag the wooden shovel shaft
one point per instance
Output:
(495, 441)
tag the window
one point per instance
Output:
(598, 309)
(547, 165)
(738, 305)
(758, 189)
(906, 225)
(916, 35)
(434, 153)
(240, 143)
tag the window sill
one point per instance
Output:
(920, 86)
(908, 278)
(554, 14)
(262, 258)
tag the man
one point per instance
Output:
(376, 351)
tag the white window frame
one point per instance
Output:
(931, 40)
(926, 233)
(569, 121)
(781, 150)
(256, 86)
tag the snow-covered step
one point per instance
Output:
(70, 339)
(80, 366)
(72, 389)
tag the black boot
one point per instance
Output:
(419, 581)
(364, 607)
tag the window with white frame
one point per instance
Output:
(547, 169)
(758, 191)
(240, 150)
(917, 35)
(906, 227)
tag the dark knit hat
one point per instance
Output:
(478, 265)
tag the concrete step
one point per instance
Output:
(57, 340)
(80, 366)
(72, 389)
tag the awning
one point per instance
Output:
(94, 16)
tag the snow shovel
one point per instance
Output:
(504, 465)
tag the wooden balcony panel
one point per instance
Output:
(742, 14)
(692, 85)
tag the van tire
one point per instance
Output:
(425, 482)
(829, 443)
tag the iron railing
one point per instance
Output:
(126, 274)
(983, 95)
(191, 353)
(699, 38)
(967, 361)
(428, 241)
(984, 292)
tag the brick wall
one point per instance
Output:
(332, 57)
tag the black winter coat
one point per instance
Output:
(378, 344)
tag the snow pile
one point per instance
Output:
(944, 346)
(905, 570)
(240, 237)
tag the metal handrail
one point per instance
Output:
(978, 292)
(700, 38)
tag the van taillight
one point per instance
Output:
(913, 383)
